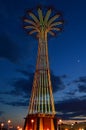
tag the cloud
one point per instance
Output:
(82, 88)
(8, 49)
(22, 87)
(66, 109)
(81, 84)
(64, 76)
(81, 80)
(15, 52)
(18, 103)
(71, 93)
(57, 83)
(25, 85)
(71, 108)
(27, 72)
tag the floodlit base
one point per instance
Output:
(40, 122)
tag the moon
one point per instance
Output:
(78, 61)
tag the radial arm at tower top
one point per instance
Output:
(41, 25)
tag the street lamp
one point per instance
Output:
(60, 121)
(2, 124)
(9, 121)
(19, 128)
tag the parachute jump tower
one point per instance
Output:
(42, 23)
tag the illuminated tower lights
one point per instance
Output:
(41, 25)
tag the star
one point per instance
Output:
(78, 61)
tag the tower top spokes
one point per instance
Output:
(40, 23)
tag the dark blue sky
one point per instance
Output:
(67, 56)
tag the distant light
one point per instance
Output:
(72, 124)
(18, 127)
(60, 120)
(9, 121)
(66, 129)
(78, 61)
(47, 128)
(32, 121)
(2, 124)
(82, 129)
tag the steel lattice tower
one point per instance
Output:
(41, 107)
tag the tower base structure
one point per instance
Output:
(40, 122)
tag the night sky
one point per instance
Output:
(67, 57)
